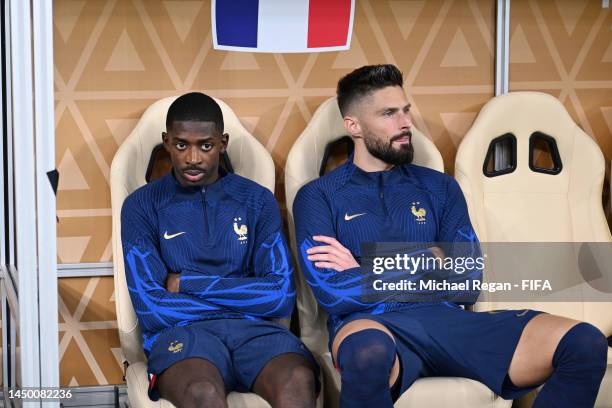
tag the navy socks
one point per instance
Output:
(580, 363)
(365, 359)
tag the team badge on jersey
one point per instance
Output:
(241, 230)
(175, 347)
(419, 213)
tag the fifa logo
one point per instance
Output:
(241, 230)
(418, 214)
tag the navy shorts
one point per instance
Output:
(443, 340)
(239, 348)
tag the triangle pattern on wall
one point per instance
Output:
(183, 15)
(124, 56)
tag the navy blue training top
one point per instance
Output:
(226, 241)
(407, 203)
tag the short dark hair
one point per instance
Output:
(362, 81)
(195, 106)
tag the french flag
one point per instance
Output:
(282, 25)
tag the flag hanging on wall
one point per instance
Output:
(282, 25)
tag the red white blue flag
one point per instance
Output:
(282, 25)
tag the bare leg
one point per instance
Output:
(532, 360)
(192, 383)
(570, 356)
(287, 381)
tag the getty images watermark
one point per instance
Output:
(466, 272)
(458, 265)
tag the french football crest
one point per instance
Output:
(419, 214)
(241, 230)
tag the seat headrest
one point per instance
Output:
(160, 163)
(529, 118)
(567, 188)
(249, 158)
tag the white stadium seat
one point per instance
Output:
(527, 205)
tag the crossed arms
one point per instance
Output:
(269, 293)
(331, 270)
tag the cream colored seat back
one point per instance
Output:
(249, 159)
(529, 206)
(303, 163)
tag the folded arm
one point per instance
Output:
(270, 292)
(145, 272)
(329, 268)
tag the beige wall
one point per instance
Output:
(113, 58)
(89, 345)
(564, 48)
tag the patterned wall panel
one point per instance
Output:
(564, 47)
(89, 349)
(113, 58)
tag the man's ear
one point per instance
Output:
(166, 141)
(352, 126)
(224, 141)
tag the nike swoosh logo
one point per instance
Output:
(350, 217)
(523, 313)
(166, 236)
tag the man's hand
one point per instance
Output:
(172, 282)
(332, 256)
(437, 252)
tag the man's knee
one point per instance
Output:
(579, 365)
(365, 359)
(292, 386)
(296, 377)
(205, 393)
(585, 344)
(367, 351)
(299, 378)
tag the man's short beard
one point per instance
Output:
(385, 151)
